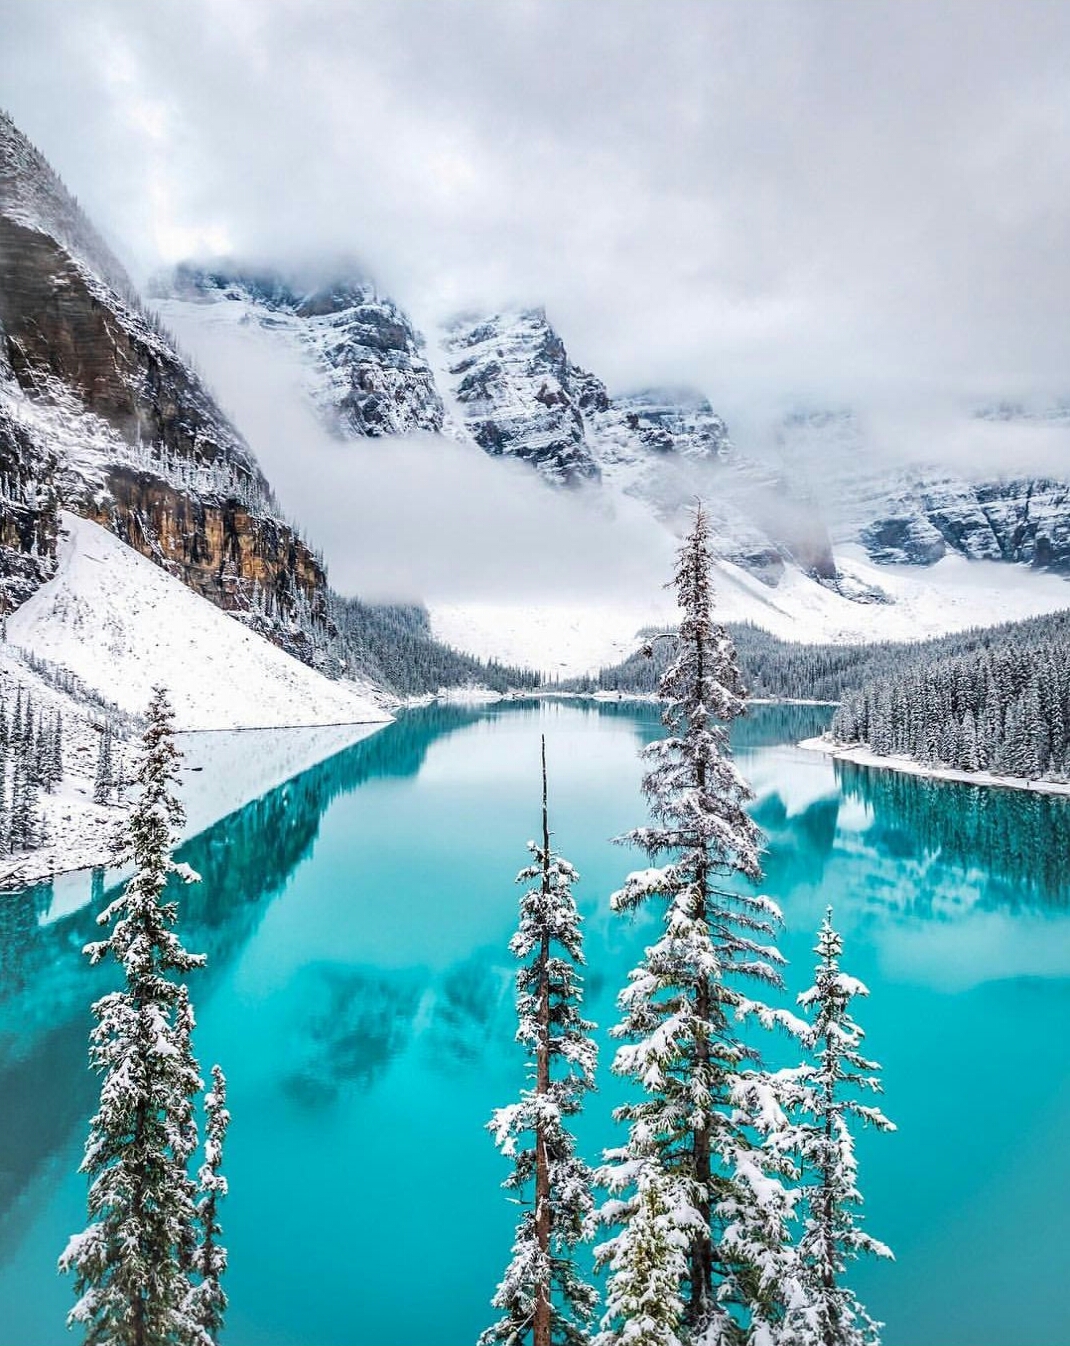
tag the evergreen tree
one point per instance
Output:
(647, 1261)
(103, 783)
(542, 1296)
(827, 1312)
(132, 1288)
(24, 828)
(55, 775)
(207, 1301)
(686, 1002)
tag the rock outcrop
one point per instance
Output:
(366, 368)
(101, 414)
(519, 395)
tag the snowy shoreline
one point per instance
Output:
(863, 756)
(220, 773)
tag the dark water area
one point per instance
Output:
(359, 996)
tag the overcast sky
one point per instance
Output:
(838, 202)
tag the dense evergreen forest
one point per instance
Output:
(1003, 707)
(783, 669)
(989, 699)
(391, 643)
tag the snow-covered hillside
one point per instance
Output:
(580, 637)
(122, 625)
(814, 542)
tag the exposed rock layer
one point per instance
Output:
(153, 459)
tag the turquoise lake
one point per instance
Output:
(359, 997)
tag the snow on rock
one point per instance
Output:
(363, 363)
(122, 625)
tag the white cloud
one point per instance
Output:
(860, 204)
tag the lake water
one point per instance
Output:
(359, 997)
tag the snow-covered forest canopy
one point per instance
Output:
(995, 699)
(784, 669)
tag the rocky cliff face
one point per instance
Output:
(366, 369)
(99, 413)
(914, 514)
(520, 397)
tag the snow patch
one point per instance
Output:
(123, 625)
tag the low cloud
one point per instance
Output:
(801, 200)
(422, 517)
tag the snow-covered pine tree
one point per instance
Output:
(647, 1260)
(102, 784)
(131, 1286)
(55, 774)
(686, 1003)
(24, 818)
(207, 1301)
(542, 1296)
(825, 1101)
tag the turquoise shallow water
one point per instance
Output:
(359, 997)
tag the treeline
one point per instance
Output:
(771, 667)
(782, 669)
(392, 644)
(72, 686)
(1003, 708)
(31, 762)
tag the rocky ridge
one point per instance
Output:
(917, 514)
(101, 414)
(366, 367)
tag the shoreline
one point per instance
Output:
(219, 775)
(906, 766)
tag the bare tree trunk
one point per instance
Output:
(542, 1086)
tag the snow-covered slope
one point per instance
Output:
(122, 625)
(580, 637)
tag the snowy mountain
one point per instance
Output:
(916, 514)
(101, 414)
(506, 383)
(366, 372)
(123, 624)
(814, 542)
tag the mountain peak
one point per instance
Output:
(33, 195)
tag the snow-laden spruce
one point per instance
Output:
(542, 1297)
(684, 1010)
(823, 1095)
(207, 1300)
(133, 1262)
